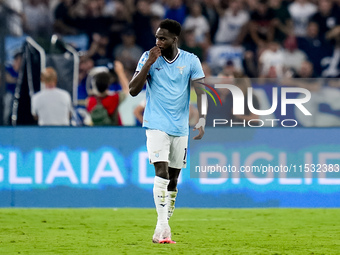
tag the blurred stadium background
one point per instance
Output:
(275, 43)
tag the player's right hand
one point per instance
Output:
(154, 53)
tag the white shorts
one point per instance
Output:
(167, 148)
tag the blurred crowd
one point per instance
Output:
(277, 38)
(276, 35)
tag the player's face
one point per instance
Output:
(165, 40)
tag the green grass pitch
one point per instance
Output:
(197, 231)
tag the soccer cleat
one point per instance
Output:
(166, 240)
(157, 235)
(162, 234)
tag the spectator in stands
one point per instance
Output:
(282, 22)
(315, 47)
(85, 16)
(293, 57)
(51, 106)
(337, 4)
(333, 69)
(121, 20)
(189, 44)
(99, 50)
(119, 78)
(80, 9)
(197, 22)
(304, 78)
(155, 22)
(85, 66)
(301, 11)
(231, 23)
(327, 17)
(272, 59)
(261, 26)
(305, 70)
(63, 23)
(228, 70)
(209, 10)
(334, 34)
(94, 20)
(251, 5)
(11, 77)
(250, 64)
(38, 19)
(110, 101)
(142, 25)
(15, 17)
(94, 8)
(176, 10)
(101, 6)
(109, 9)
(128, 52)
(157, 8)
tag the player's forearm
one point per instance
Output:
(202, 101)
(137, 83)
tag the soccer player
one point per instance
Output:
(168, 72)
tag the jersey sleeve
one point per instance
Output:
(142, 61)
(196, 69)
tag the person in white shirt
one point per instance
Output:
(301, 11)
(51, 106)
(272, 58)
(293, 56)
(231, 22)
(197, 22)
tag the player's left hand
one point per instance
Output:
(200, 126)
(200, 135)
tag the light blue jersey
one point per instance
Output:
(168, 92)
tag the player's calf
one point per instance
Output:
(171, 202)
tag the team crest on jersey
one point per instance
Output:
(157, 153)
(181, 68)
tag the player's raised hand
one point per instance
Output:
(200, 126)
(154, 53)
(118, 66)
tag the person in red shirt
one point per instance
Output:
(109, 100)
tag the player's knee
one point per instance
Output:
(173, 184)
(161, 170)
(162, 174)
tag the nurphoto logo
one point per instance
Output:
(239, 100)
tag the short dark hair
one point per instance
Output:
(171, 25)
(102, 81)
